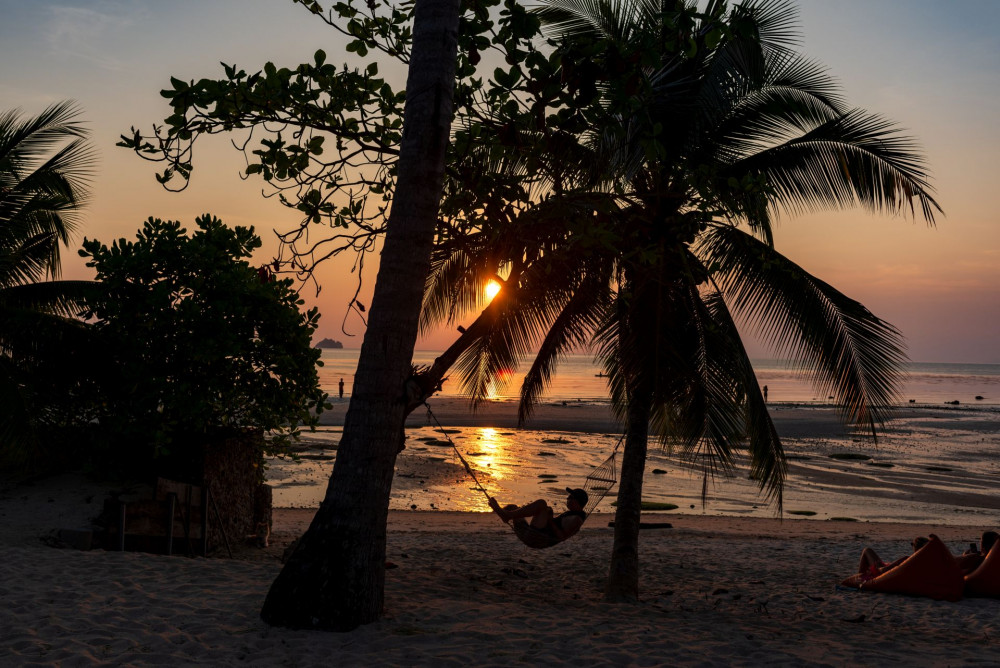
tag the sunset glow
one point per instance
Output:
(935, 74)
(492, 290)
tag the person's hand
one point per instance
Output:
(496, 508)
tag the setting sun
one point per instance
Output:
(492, 289)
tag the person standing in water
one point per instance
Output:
(341, 388)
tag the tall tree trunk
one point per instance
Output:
(335, 579)
(623, 575)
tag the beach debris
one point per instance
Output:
(882, 465)
(805, 513)
(913, 401)
(560, 439)
(843, 519)
(659, 471)
(413, 506)
(850, 456)
(653, 505)
(856, 620)
(956, 402)
(550, 476)
(938, 469)
(546, 454)
(979, 397)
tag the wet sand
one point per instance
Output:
(938, 465)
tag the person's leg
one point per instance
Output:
(512, 512)
(869, 561)
(543, 517)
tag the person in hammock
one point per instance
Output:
(544, 521)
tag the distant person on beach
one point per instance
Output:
(765, 394)
(543, 518)
(341, 388)
(871, 565)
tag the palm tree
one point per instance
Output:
(45, 165)
(713, 126)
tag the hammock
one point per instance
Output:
(596, 485)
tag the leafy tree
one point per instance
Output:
(45, 165)
(710, 124)
(196, 340)
(329, 140)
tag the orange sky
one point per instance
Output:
(932, 67)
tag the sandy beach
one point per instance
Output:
(716, 590)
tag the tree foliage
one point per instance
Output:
(324, 138)
(195, 339)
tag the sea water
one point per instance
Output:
(579, 376)
(939, 465)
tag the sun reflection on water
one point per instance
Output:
(494, 453)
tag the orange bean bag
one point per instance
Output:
(931, 571)
(985, 580)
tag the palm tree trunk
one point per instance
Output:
(623, 575)
(335, 579)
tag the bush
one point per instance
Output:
(195, 342)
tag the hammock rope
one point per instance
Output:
(596, 485)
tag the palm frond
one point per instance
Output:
(850, 352)
(573, 326)
(61, 298)
(768, 465)
(855, 159)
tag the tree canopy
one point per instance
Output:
(193, 338)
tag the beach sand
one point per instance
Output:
(715, 590)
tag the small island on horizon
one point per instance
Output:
(329, 343)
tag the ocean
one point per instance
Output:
(577, 378)
(936, 464)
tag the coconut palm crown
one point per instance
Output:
(710, 125)
(713, 127)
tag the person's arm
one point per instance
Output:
(495, 505)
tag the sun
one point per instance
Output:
(492, 289)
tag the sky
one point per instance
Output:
(932, 67)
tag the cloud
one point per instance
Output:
(88, 34)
